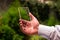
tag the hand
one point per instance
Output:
(29, 27)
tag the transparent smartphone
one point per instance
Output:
(24, 13)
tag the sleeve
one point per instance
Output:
(50, 33)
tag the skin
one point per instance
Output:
(29, 27)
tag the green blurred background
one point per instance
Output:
(47, 13)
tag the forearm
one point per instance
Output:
(45, 31)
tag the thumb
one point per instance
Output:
(31, 16)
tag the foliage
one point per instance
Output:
(10, 24)
(9, 20)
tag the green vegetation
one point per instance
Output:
(9, 19)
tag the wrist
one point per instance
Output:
(36, 30)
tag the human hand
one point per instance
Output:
(29, 27)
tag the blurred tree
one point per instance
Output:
(47, 14)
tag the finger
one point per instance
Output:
(20, 19)
(31, 16)
(25, 21)
(22, 28)
(23, 24)
(20, 22)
